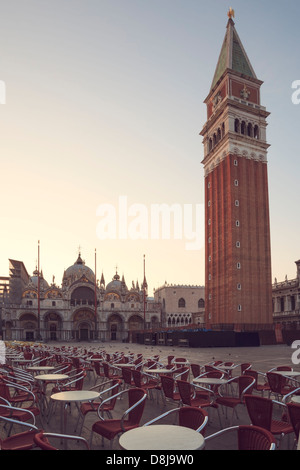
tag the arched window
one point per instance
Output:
(210, 145)
(237, 126)
(256, 132)
(249, 130)
(223, 129)
(181, 302)
(219, 135)
(243, 128)
(201, 303)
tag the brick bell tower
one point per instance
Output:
(238, 284)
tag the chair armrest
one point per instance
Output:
(130, 409)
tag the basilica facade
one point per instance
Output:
(80, 309)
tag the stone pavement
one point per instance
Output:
(262, 359)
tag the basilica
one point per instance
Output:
(82, 308)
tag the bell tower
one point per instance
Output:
(238, 284)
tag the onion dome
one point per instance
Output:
(77, 271)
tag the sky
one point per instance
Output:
(99, 125)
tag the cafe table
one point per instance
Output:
(74, 396)
(162, 437)
(160, 371)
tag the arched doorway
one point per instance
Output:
(28, 325)
(83, 324)
(115, 327)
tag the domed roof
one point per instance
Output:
(115, 284)
(33, 280)
(77, 270)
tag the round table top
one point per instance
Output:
(52, 377)
(159, 371)
(75, 395)
(37, 368)
(287, 373)
(210, 380)
(296, 399)
(124, 364)
(161, 437)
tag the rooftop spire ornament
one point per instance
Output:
(230, 13)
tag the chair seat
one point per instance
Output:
(110, 428)
(21, 441)
(279, 427)
(231, 402)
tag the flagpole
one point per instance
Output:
(39, 311)
(144, 297)
(96, 333)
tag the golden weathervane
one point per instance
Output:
(230, 13)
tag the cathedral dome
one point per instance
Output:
(115, 284)
(33, 280)
(78, 270)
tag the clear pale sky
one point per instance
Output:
(104, 99)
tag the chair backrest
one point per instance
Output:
(275, 381)
(259, 410)
(168, 384)
(196, 370)
(182, 373)
(255, 438)
(137, 378)
(127, 375)
(134, 396)
(294, 415)
(186, 391)
(245, 385)
(192, 417)
(245, 367)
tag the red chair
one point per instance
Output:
(19, 441)
(168, 390)
(245, 367)
(248, 437)
(145, 382)
(294, 415)
(188, 416)
(260, 411)
(259, 387)
(196, 370)
(181, 373)
(244, 385)
(112, 387)
(108, 374)
(279, 385)
(189, 396)
(41, 440)
(24, 398)
(130, 419)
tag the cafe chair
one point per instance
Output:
(181, 373)
(188, 416)
(294, 416)
(99, 372)
(42, 440)
(261, 388)
(20, 441)
(261, 413)
(280, 385)
(168, 390)
(115, 374)
(110, 386)
(145, 381)
(243, 384)
(248, 437)
(21, 398)
(245, 367)
(130, 419)
(196, 370)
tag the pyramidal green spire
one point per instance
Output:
(232, 56)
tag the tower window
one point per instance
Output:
(236, 182)
(181, 302)
(237, 203)
(239, 308)
(256, 132)
(249, 130)
(238, 244)
(243, 128)
(237, 223)
(237, 126)
(235, 162)
(239, 286)
(238, 265)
